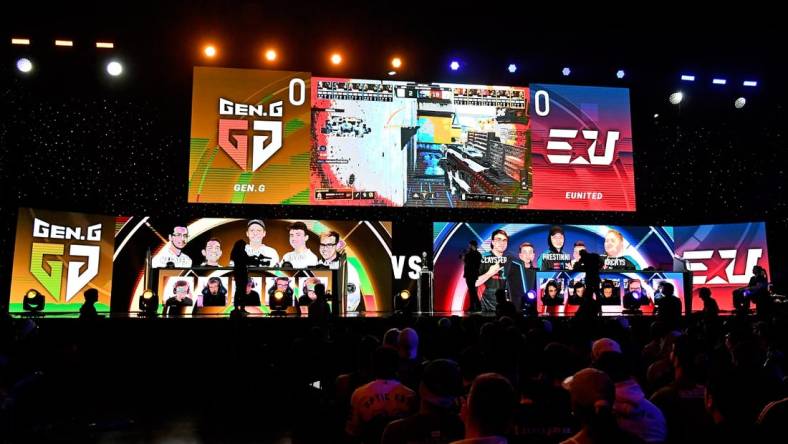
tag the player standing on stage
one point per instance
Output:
(590, 264)
(472, 260)
(494, 269)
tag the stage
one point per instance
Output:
(107, 316)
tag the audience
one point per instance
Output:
(489, 411)
(374, 405)
(410, 364)
(438, 419)
(633, 412)
(593, 396)
(682, 400)
(477, 379)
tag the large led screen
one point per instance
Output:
(276, 137)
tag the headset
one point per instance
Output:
(222, 290)
(288, 293)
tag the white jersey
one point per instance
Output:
(300, 260)
(166, 255)
(331, 264)
(263, 253)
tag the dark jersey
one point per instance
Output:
(472, 260)
(251, 299)
(555, 261)
(213, 300)
(498, 280)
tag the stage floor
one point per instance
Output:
(354, 315)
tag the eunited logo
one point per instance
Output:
(560, 151)
(716, 267)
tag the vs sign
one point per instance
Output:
(414, 266)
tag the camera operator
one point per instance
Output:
(756, 291)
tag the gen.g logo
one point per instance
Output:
(81, 261)
(265, 127)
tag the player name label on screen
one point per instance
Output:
(280, 137)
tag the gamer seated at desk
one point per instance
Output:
(578, 295)
(610, 294)
(250, 298)
(552, 296)
(213, 295)
(635, 297)
(280, 295)
(181, 299)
